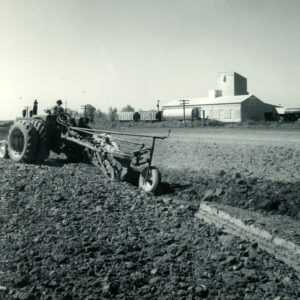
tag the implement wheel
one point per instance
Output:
(22, 142)
(154, 178)
(3, 149)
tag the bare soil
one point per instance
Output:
(69, 233)
(253, 169)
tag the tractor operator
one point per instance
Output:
(57, 109)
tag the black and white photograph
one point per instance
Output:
(149, 149)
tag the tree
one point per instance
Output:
(99, 115)
(72, 113)
(112, 114)
(88, 111)
(127, 108)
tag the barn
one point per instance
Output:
(231, 102)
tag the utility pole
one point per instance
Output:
(85, 108)
(35, 107)
(184, 102)
(158, 104)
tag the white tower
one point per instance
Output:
(232, 84)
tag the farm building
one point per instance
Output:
(128, 116)
(150, 115)
(231, 102)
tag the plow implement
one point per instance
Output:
(118, 157)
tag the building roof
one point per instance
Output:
(280, 110)
(210, 101)
(230, 73)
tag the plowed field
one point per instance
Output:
(253, 169)
(69, 233)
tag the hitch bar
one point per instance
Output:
(91, 130)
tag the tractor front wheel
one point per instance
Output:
(3, 149)
(150, 184)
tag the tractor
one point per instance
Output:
(32, 137)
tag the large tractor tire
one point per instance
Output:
(43, 149)
(151, 184)
(22, 142)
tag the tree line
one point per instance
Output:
(97, 115)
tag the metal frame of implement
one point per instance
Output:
(151, 149)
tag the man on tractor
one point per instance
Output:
(57, 109)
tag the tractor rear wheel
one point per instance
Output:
(154, 178)
(22, 142)
(3, 149)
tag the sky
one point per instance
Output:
(118, 52)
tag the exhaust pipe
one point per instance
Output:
(35, 107)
